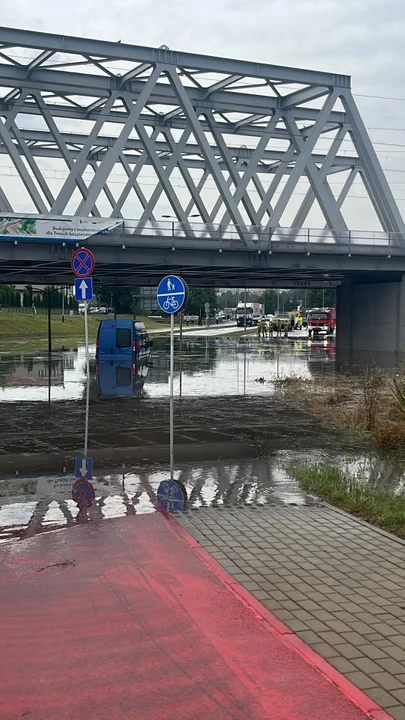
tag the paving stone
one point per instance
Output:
(296, 625)
(316, 625)
(399, 640)
(272, 605)
(387, 681)
(349, 651)
(250, 585)
(395, 652)
(341, 664)
(397, 712)
(309, 637)
(360, 627)
(372, 652)
(324, 650)
(399, 695)
(385, 629)
(381, 696)
(362, 681)
(366, 665)
(338, 626)
(392, 666)
(353, 638)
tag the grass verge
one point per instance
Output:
(22, 327)
(381, 507)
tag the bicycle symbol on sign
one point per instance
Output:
(170, 302)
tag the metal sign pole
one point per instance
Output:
(171, 296)
(86, 334)
(171, 396)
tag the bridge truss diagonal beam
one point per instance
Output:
(229, 139)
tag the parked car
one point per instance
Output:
(124, 338)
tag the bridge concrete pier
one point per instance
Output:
(370, 324)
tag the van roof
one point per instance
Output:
(121, 323)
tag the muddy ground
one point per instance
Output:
(122, 429)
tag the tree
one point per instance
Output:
(9, 296)
(124, 300)
(270, 301)
(320, 298)
(197, 298)
(227, 299)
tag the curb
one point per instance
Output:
(277, 627)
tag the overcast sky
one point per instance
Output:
(363, 38)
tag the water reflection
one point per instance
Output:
(204, 367)
(120, 376)
(35, 504)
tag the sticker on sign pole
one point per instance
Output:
(82, 263)
(171, 294)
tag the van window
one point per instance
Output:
(123, 337)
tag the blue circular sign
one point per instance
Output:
(171, 294)
(171, 496)
(83, 493)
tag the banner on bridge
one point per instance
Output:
(73, 229)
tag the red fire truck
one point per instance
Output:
(321, 320)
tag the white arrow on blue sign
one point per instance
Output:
(84, 289)
(83, 467)
(171, 294)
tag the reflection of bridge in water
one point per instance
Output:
(215, 484)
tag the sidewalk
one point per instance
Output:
(336, 582)
(124, 620)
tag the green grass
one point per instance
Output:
(378, 506)
(21, 327)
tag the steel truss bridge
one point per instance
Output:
(223, 139)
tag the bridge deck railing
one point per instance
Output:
(260, 236)
(211, 236)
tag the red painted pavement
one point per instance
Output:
(139, 627)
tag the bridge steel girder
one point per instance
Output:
(184, 112)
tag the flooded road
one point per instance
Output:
(204, 366)
(234, 435)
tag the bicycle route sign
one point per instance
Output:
(171, 294)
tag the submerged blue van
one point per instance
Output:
(123, 338)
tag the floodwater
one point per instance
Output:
(234, 435)
(204, 367)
